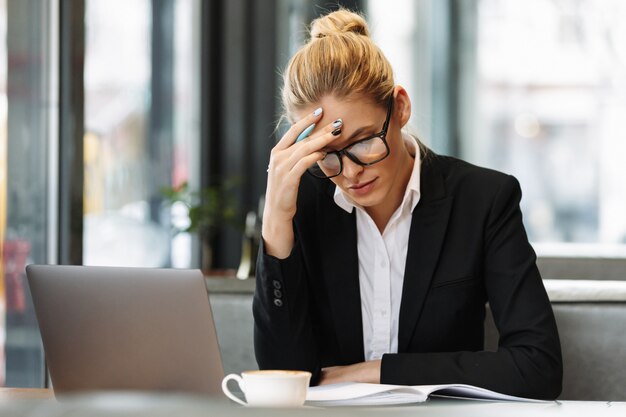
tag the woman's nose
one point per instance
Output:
(351, 169)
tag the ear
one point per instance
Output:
(402, 105)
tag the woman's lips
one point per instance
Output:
(362, 188)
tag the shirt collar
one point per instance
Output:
(411, 194)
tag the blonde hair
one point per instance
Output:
(340, 59)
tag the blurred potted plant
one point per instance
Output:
(208, 209)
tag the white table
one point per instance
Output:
(111, 404)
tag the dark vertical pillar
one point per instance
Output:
(29, 106)
(238, 105)
(236, 129)
(450, 47)
(455, 54)
(71, 117)
(264, 105)
(465, 17)
(161, 131)
(211, 85)
(27, 124)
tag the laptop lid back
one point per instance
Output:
(118, 328)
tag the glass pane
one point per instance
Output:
(395, 34)
(25, 106)
(141, 126)
(551, 90)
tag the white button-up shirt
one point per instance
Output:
(382, 259)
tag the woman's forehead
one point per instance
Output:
(356, 111)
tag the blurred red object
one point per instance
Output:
(15, 254)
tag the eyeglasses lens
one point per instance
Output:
(369, 151)
(366, 152)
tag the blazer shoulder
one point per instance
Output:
(462, 177)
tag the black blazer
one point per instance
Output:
(467, 246)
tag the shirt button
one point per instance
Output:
(278, 294)
(278, 302)
(276, 284)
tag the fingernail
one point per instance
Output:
(306, 132)
(317, 111)
(336, 131)
(337, 123)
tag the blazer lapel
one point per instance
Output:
(428, 228)
(341, 268)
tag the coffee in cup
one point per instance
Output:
(270, 388)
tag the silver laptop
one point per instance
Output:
(110, 328)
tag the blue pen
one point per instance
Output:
(305, 133)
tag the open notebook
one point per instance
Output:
(351, 393)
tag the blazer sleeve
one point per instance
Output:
(528, 360)
(283, 333)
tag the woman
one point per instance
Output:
(375, 266)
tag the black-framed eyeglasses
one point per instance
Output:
(364, 152)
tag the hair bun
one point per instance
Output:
(338, 22)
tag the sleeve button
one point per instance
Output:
(278, 302)
(276, 284)
(278, 294)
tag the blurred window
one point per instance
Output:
(538, 91)
(142, 128)
(551, 92)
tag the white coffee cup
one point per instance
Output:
(270, 388)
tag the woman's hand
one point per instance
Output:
(288, 162)
(359, 372)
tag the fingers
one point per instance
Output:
(303, 164)
(322, 139)
(290, 172)
(294, 132)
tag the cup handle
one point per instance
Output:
(227, 391)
